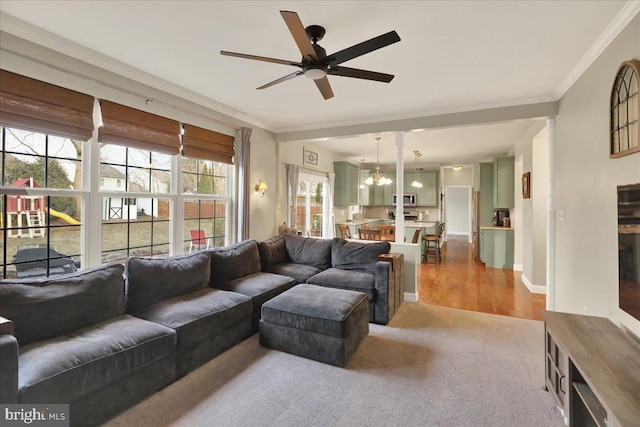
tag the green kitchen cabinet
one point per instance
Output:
(389, 190)
(496, 247)
(365, 191)
(346, 184)
(485, 178)
(428, 194)
(503, 182)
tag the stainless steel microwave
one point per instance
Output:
(407, 199)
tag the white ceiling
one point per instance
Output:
(454, 56)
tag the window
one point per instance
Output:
(134, 226)
(205, 195)
(625, 110)
(41, 229)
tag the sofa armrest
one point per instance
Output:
(8, 363)
(389, 287)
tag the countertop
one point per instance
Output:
(423, 223)
(493, 227)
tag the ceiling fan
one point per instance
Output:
(316, 64)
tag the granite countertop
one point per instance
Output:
(494, 227)
(358, 221)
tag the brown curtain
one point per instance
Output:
(134, 128)
(34, 105)
(207, 144)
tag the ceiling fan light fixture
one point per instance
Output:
(315, 73)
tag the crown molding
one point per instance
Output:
(628, 12)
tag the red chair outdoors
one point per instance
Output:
(198, 240)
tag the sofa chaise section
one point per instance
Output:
(174, 292)
(77, 346)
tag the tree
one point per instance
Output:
(205, 183)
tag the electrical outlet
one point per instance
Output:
(586, 309)
(561, 216)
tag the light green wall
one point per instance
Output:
(587, 241)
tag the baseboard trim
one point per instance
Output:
(517, 267)
(534, 289)
(411, 297)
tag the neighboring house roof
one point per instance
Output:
(107, 171)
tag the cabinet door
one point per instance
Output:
(365, 193)
(351, 185)
(486, 193)
(428, 194)
(377, 195)
(503, 182)
(389, 190)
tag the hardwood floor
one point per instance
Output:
(459, 281)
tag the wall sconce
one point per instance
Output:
(261, 188)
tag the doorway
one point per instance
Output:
(313, 206)
(458, 210)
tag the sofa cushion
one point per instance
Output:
(357, 256)
(234, 261)
(309, 251)
(299, 272)
(273, 251)
(325, 311)
(259, 286)
(50, 306)
(151, 280)
(346, 279)
(62, 369)
(199, 314)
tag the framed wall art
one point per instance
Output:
(309, 157)
(526, 185)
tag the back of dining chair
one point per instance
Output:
(369, 234)
(416, 235)
(345, 233)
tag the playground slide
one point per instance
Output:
(63, 216)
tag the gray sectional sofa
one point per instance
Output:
(104, 338)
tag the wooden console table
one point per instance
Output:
(592, 370)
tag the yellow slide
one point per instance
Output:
(63, 216)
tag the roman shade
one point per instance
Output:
(37, 106)
(138, 129)
(207, 144)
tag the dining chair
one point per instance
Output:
(198, 239)
(387, 232)
(345, 233)
(416, 235)
(369, 234)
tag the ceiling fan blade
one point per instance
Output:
(325, 87)
(360, 74)
(261, 58)
(362, 48)
(299, 34)
(281, 79)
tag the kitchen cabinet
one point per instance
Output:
(496, 247)
(346, 184)
(485, 178)
(427, 195)
(389, 190)
(503, 182)
(365, 191)
(381, 195)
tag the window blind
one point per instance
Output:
(138, 129)
(37, 106)
(207, 144)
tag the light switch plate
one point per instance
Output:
(561, 216)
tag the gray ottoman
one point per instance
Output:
(323, 324)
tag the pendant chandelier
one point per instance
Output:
(416, 182)
(377, 178)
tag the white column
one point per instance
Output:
(551, 218)
(399, 187)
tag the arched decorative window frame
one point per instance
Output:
(614, 122)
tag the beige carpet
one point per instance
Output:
(431, 366)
